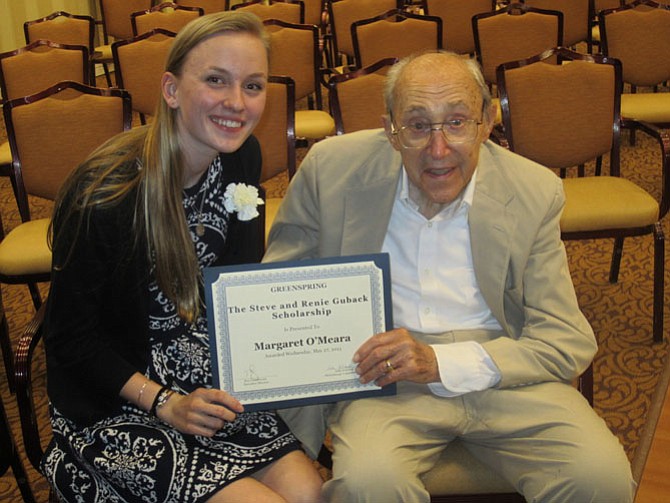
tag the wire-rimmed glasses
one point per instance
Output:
(418, 134)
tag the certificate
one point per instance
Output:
(284, 334)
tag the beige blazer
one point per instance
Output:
(340, 202)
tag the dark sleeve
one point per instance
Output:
(95, 333)
(246, 240)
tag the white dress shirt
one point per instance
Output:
(435, 289)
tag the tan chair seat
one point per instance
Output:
(606, 202)
(103, 53)
(313, 124)
(648, 107)
(459, 472)
(24, 249)
(5, 154)
(595, 34)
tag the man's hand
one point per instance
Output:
(396, 356)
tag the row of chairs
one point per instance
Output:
(457, 470)
(50, 132)
(66, 101)
(145, 96)
(512, 136)
(563, 115)
(380, 39)
(590, 81)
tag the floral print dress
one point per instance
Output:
(133, 456)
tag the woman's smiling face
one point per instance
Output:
(219, 95)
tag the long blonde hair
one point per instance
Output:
(149, 159)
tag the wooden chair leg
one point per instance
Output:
(6, 348)
(9, 457)
(616, 260)
(108, 77)
(35, 295)
(659, 282)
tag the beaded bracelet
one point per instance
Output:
(161, 399)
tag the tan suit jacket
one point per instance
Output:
(340, 202)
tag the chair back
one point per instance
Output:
(290, 11)
(394, 34)
(576, 18)
(116, 17)
(645, 5)
(295, 53)
(39, 65)
(599, 5)
(167, 16)
(596, 7)
(314, 12)
(456, 16)
(63, 28)
(139, 64)
(562, 115)
(357, 98)
(513, 33)
(342, 13)
(50, 133)
(634, 36)
(209, 6)
(276, 129)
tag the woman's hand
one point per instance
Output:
(202, 412)
(396, 356)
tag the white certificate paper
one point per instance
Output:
(284, 334)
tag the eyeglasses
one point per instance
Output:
(418, 134)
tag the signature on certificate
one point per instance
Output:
(251, 376)
(338, 370)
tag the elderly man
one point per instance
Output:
(488, 333)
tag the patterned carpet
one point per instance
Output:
(627, 366)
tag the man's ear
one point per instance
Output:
(169, 89)
(388, 128)
(489, 119)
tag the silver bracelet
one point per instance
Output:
(139, 395)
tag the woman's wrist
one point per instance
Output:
(141, 392)
(160, 400)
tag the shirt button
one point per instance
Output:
(426, 310)
(430, 225)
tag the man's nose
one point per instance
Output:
(438, 144)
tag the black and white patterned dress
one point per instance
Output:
(132, 456)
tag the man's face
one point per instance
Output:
(435, 89)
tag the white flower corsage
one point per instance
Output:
(242, 198)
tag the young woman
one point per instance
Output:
(129, 377)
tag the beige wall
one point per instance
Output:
(13, 13)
